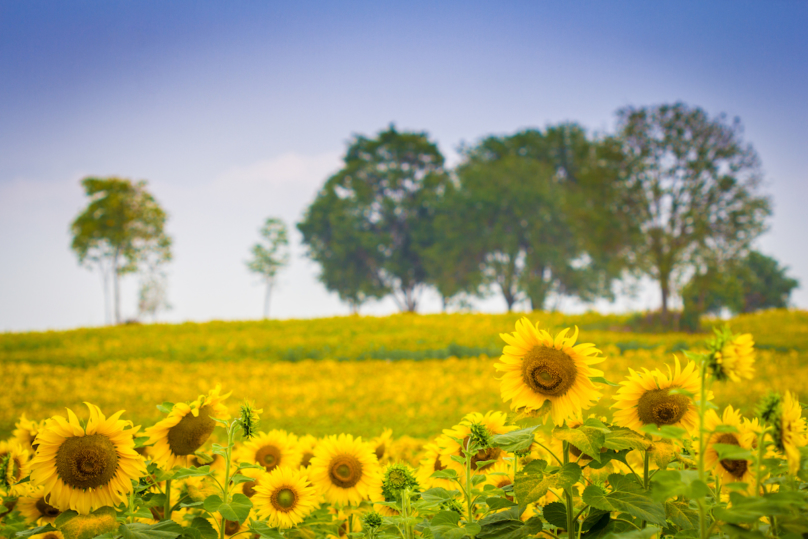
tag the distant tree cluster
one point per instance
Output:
(534, 216)
(541, 214)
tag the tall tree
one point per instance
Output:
(371, 223)
(699, 183)
(539, 204)
(121, 227)
(270, 256)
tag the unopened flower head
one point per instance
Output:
(249, 420)
(480, 436)
(398, 478)
(372, 520)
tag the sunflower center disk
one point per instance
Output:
(45, 509)
(87, 461)
(191, 432)
(284, 500)
(306, 459)
(657, 407)
(345, 471)
(268, 456)
(548, 371)
(248, 488)
(438, 466)
(231, 527)
(482, 455)
(736, 468)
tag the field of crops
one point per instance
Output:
(414, 374)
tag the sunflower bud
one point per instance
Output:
(249, 420)
(371, 521)
(768, 410)
(397, 478)
(479, 436)
(730, 356)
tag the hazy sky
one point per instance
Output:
(235, 111)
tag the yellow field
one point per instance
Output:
(132, 367)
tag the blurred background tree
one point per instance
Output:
(751, 284)
(700, 205)
(121, 227)
(270, 256)
(372, 223)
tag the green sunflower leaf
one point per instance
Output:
(682, 515)
(645, 533)
(668, 484)
(588, 440)
(516, 441)
(445, 525)
(535, 479)
(35, 531)
(665, 431)
(556, 514)
(168, 529)
(263, 530)
(184, 473)
(620, 438)
(166, 407)
(627, 496)
(602, 380)
(237, 510)
(495, 502)
(732, 452)
(438, 495)
(502, 525)
(444, 474)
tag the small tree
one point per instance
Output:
(270, 256)
(121, 227)
(699, 204)
(153, 295)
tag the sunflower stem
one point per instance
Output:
(167, 505)
(226, 485)
(702, 412)
(646, 461)
(470, 518)
(568, 495)
(759, 467)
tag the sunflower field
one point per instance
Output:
(441, 426)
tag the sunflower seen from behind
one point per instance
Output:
(345, 470)
(735, 358)
(646, 398)
(789, 431)
(730, 470)
(14, 459)
(82, 468)
(271, 449)
(186, 429)
(284, 497)
(538, 368)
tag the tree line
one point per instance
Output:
(537, 215)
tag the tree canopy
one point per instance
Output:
(121, 227)
(370, 225)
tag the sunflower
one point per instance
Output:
(382, 443)
(345, 470)
(270, 450)
(540, 369)
(13, 465)
(730, 470)
(35, 510)
(231, 527)
(186, 429)
(789, 431)
(248, 487)
(735, 360)
(429, 464)
(494, 423)
(53, 534)
(84, 468)
(284, 497)
(25, 432)
(645, 398)
(500, 475)
(306, 445)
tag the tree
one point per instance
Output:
(371, 223)
(270, 256)
(541, 214)
(152, 297)
(751, 284)
(121, 227)
(699, 203)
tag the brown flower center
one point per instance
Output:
(438, 466)
(736, 468)
(283, 499)
(268, 456)
(87, 461)
(307, 456)
(504, 482)
(345, 471)
(548, 371)
(248, 488)
(191, 432)
(380, 451)
(45, 509)
(231, 527)
(658, 407)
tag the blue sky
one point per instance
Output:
(235, 111)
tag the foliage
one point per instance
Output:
(697, 184)
(269, 257)
(371, 223)
(121, 227)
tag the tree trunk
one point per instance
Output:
(665, 290)
(266, 300)
(116, 289)
(105, 283)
